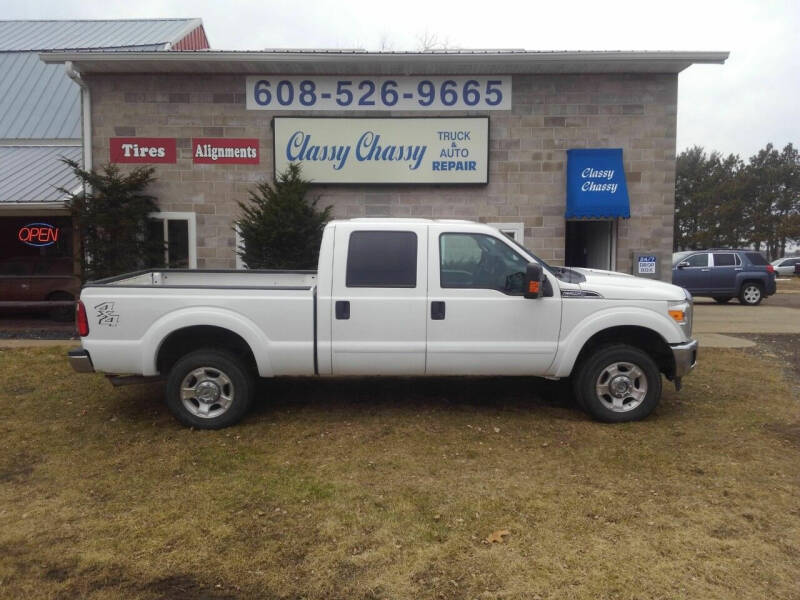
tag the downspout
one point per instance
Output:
(86, 114)
(86, 138)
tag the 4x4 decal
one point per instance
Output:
(106, 315)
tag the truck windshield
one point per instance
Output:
(562, 273)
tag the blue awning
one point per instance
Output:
(596, 186)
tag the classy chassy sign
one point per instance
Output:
(596, 185)
(384, 150)
(346, 93)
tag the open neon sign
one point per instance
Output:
(38, 234)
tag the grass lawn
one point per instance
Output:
(389, 488)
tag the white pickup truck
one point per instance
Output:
(393, 297)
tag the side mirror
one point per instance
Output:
(533, 280)
(683, 264)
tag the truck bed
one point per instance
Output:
(196, 278)
(273, 311)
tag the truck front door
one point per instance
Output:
(479, 322)
(378, 299)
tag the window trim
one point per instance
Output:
(518, 229)
(191, 218)
(713, 262)
(473, 287)
(347, 283)
(710, 262)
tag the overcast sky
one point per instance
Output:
(734, 108)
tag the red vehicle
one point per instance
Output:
(39, 279)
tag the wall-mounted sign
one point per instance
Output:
(350, 92)
(596, 186)
(384, 150)
(142, 150)
(646, 265)
(211, 151)
(38, 234)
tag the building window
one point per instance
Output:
(178, 232)
(469, 260)
(516, 231)
(386, 259)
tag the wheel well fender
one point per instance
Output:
(652, 335)
(178, 332)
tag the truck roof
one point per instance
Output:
(405, 220)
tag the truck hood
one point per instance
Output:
(621, 286)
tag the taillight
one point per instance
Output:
(770, 269)
(81, 321)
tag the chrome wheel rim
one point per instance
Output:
(207, 392)
(621, 386)
(751, 294)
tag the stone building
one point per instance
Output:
(492, 136)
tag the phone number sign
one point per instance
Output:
(378, 93)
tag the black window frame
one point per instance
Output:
(478, 287)
(347, 281)
(762, 262)
(735, 262)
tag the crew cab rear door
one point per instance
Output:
(378, 299)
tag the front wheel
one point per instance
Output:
(618, 383)
(751, 294)
(209, 389)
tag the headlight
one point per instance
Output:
(681, 312)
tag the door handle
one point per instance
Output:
(704, 270)
(738, 269)
(343, 309)
(437, 310)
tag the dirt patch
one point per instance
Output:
(17, 468)
(783, 350)
(787, 432)
(185, 587)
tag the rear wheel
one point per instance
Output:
(751, 294)
(618, 383)
(722, 299)
(209, 389)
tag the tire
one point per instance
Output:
(751, 294)
(222, 389)
(62, 314)
(639, 384)
(722, 299)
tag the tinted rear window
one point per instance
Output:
(724, 260)
(756, 259)
(382, 259)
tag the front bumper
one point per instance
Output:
(685, 356)
(80, 360)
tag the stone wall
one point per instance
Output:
(527, 158)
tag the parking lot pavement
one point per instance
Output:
(710, 317)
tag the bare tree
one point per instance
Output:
(429, 42)
(385, 43)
